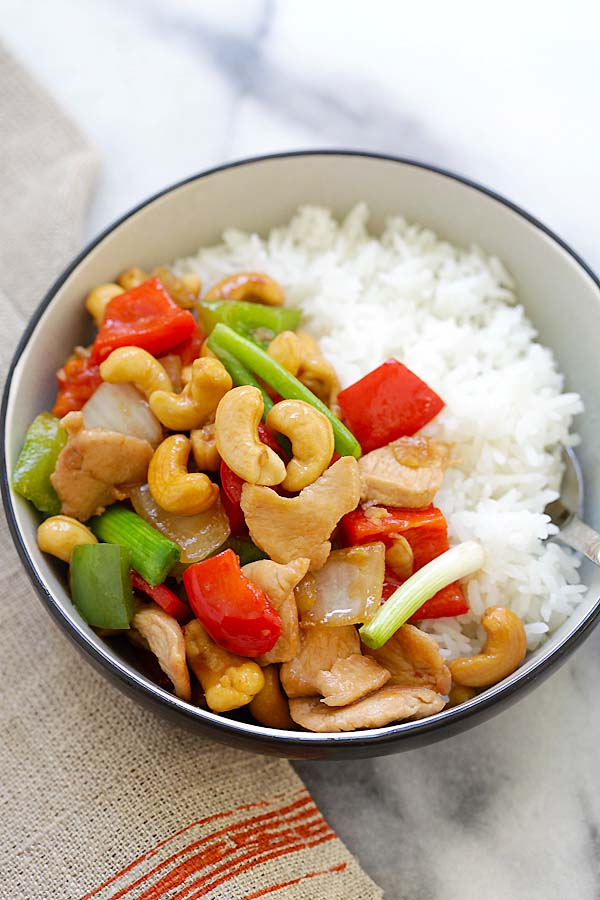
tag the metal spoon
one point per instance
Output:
(566, 510)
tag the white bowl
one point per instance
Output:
(561, 296)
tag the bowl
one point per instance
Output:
(561, 296)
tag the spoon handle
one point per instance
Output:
(579, 536)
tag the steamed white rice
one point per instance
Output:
(451, 315)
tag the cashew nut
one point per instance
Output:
(236, 435)
(270, 707)
(206, 351)
(228, 681)
(311, 435)
(504, 650)
(197, 402)
(172, 486)
(132, 278)
(192, 282)
(138, 366)
(285, 349)
(98, 299)
(399, 557)
(460, 694)
(178, 290)
(165, 639)
(59, 535)
(254, 287)
(315, 372)
(204, 448)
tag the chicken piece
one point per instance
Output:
(288, 528)
(320, 648)
(391, 703)
(278, 582)
(164, 637)
(414, 660)
(95, 467)
(287, 643)
(408, 472)
(350, 679)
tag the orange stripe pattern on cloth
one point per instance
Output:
(200, 859)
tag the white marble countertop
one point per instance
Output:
(505, 94)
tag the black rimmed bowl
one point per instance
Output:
(561, 296)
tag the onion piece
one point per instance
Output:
(347, 590)
(121, 407)
(198, 536)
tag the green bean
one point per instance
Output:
(280, 380)
(239, 373)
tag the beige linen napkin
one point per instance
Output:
(100, 799)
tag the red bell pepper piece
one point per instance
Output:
(275, 397)
(231, 496)
(143, 317)
(189, 350)
(360, 527)
(236, 613)
(270, 440)
(77, 381)
(388, 588)
(427, 533)
(450, 601)
(163, 597)
(232, 484)
(427, 542)
(388, 403)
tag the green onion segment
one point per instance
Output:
(152, 554)
(458, 562)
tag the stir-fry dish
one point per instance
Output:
(272, 540)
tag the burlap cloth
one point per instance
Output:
(99, 798)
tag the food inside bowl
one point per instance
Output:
(325, 557)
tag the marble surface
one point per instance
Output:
(503, 93)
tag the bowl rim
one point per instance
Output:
(474, 708)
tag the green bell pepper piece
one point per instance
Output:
(246, 550)
(283, 382)
(253, 320)
(101, 586)
(152, 554)
(31, 478)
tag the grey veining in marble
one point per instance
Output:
(503, 93)
(510, 809)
